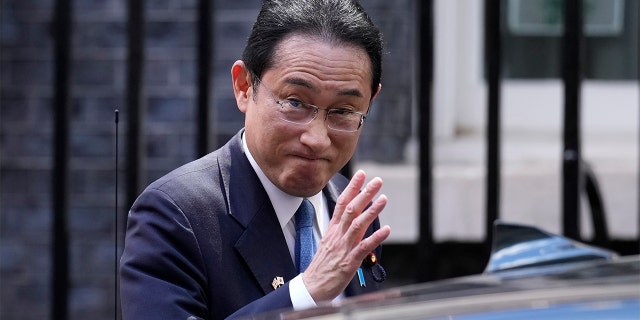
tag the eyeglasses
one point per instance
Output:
(298, 112)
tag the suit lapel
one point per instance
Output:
(249, 204)
(266, 261)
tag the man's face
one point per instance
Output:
(301, 158)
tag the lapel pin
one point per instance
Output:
(361, 278)
(370, 260)
(277, 282)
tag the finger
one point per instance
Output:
(370, 243)
(359, 225)
(350, 192)
(361, 201)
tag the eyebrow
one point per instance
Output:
(308, 85)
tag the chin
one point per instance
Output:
(305, 187)
(304, 192)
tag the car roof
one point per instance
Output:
(532, 274)
(590, 289)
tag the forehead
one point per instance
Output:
(316, 58)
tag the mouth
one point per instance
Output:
(309, 157)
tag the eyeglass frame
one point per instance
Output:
(316, 109)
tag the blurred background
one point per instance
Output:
(452, 155)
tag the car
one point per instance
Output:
(531, 274)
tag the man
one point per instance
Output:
(217, 237)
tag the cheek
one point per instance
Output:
(258, 122)
(345, 146)
(267, 136)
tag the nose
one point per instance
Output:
(316, 135)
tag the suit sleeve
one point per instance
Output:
(274, 301)
(162, 270)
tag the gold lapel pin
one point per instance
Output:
(370, 260)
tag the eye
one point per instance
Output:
(295, 104)
(342, 111)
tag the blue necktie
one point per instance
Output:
(305, 243)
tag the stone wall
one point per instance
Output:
(98, 76)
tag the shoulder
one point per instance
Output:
(335, 186)
(198, 186)
(339, 181)
(189, 179)
(201, 175)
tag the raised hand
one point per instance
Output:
(342, 248)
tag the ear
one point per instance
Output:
(375, 94)
(242, 88)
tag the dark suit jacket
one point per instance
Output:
(204, 241)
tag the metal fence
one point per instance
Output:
(575, 174)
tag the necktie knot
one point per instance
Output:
(305, 242)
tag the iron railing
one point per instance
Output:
(572, 178)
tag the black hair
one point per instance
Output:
(336, 21)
